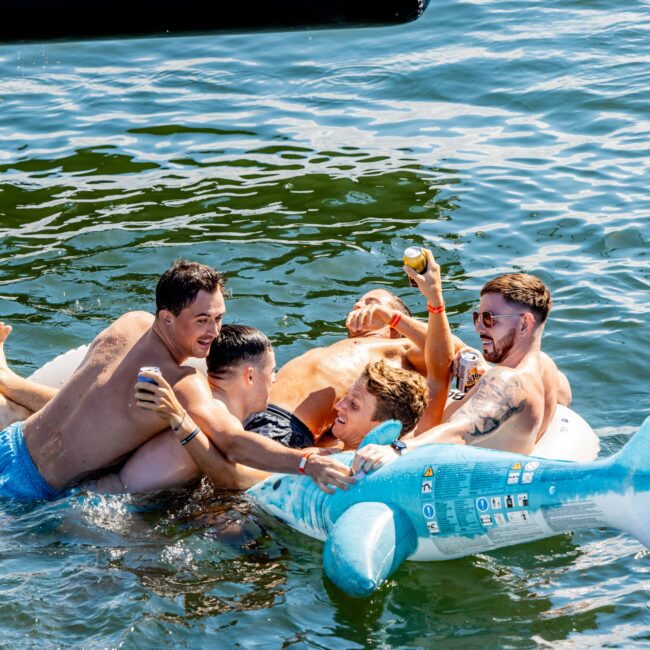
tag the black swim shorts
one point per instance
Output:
(281, 426)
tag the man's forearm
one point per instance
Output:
(413, 329)
(256, 451)
(446, 433)
(222, 472)
(237, 446)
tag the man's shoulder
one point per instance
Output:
(123, 331)
(132, 321)
(505, 382)
(191, 381)
(503, 374)
(136, 318)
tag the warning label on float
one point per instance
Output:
(569, 516)
(480, 505)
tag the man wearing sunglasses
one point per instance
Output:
(513, 402)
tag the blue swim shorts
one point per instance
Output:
(19, 477)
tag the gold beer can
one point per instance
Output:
(414, 257)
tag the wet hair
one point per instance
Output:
(524, 290)
(179, 285)
(401, 394)
(236, 345)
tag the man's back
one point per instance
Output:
(93, 421)
(310, 385)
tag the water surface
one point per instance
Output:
(503, 135)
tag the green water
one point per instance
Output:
(503, 135)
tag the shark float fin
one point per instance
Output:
(367, 543)
(383, 434)
(633, 463)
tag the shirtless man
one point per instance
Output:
(380, 393)
(241, 372)
(92, 423)
(513, 402)
(303, 397)
(307, 388)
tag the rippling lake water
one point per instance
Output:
(504, 135)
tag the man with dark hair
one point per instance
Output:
(179, 285)
(381, 392)
(513, 403)
(241, 371)
(92, 423)
(303, 399)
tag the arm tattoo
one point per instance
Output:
(499, 396)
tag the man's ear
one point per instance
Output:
(528, 323)
(249, 374)
(166, 316)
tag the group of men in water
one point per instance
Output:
(243, 421)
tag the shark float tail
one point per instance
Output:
(630, 510)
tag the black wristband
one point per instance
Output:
(192, 435)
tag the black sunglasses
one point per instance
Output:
(488, 317)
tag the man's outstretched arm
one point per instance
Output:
(500, 395)
(190, 407)
(439, 346)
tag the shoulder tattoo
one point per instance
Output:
(499, 396)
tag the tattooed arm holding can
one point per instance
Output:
(514, 401)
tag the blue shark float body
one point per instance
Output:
(446, 501)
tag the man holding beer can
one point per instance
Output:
(512, 403)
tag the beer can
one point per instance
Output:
(148, 369)
(467, 371)
(414, 257)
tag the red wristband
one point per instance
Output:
(303, 461)
(436, 310)
(395, 319)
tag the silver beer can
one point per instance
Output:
(467, 374)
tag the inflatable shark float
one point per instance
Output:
(441, 502)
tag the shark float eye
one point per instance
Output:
(277, 484)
